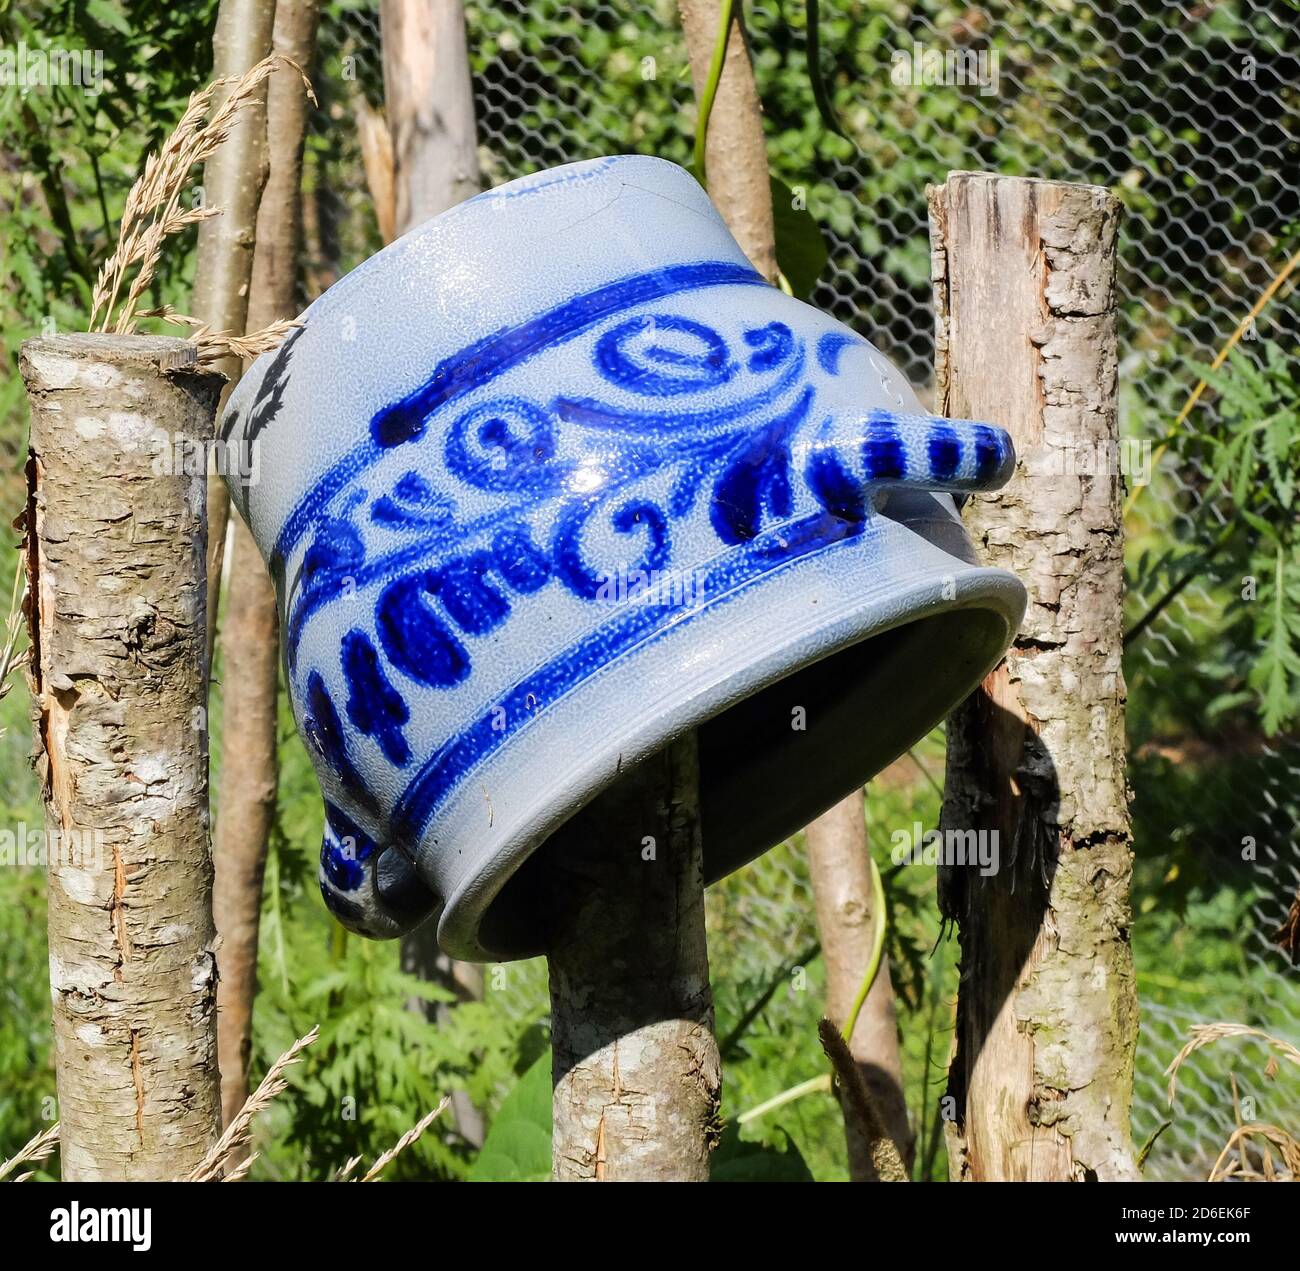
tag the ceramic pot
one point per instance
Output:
(557, 477)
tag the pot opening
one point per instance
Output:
(775, 761)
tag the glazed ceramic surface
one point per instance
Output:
(558, 476)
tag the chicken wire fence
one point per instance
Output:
(1190, 113)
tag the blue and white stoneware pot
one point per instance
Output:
(557, 477)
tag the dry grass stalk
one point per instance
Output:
(240, 1171)
(36, 1149)
(12, 658)
(212, 1168)
(153, 211)
(1240, 1167)
(1226, 1167)
(372, 1174)
(1205, 1034)
(213, 346)
(345, 1173)
(886, 1159)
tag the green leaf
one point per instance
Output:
(518, 1146)
(737, 1161)
(104, 13)
(800, 250)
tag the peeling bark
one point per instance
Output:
(1042, 1075)
(840, 868)
(634, 1060)
(735, 154)
(250, 634)
(116, 578)
(232, 181)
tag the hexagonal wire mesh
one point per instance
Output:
(1190, 114)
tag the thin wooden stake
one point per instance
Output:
(839, 865)
(232, 181)
(429, 98)
(420, 161)
(250, 644)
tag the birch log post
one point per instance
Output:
(1041, 1078)
(250, 645)
(115, 565)
(637, 1078)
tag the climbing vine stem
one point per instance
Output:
(711, 88)
(880, 917)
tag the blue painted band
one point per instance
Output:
(479, 363)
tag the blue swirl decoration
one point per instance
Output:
(505, 444)
(643, 356)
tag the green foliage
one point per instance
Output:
(763, 949)
(737, 1160)
(518, 1147)
(80, 153)
(1253, 450)
(1247, 446)
(26, 1072)
(800, 249)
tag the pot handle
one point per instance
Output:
(851, 454)
(371, 888)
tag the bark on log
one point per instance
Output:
(840, 868)
(115, 563)
(735, 155)
(635, 1065)
(1024, 275)
(250, 634)
(430, 103)
(232, 181)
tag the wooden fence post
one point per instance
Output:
(735, 154)
(1042, 1074)
(429, 97)
(115, 560)
(634, 1059)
